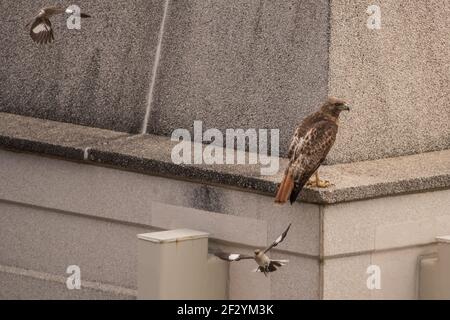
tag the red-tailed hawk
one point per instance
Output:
(310, 145)
(41, 28)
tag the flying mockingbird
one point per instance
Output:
(265, 264)
(41, 28)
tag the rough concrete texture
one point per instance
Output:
(346, 277)
(20, 284)
(385, 223)
(385, 177)
(241, 64)
(156, 201)
(40, 194)
(49, 241)
(396, 78)
(51, 137)
(352, 181)
(152, 155)
(96, 76)
(400, 273)
(299, 279)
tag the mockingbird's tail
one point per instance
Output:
(273, 265)
(280, 263)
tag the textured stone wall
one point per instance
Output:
(239, 64)
(97, 76)
(397, 78)
(58, 213)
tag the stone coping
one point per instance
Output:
(151, 154)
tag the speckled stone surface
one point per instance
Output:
(241, 64)
(397, 78)
(151, 154)
(267, 64)
(97, 76)
(50, 137)
(353, 181)
(19, 287)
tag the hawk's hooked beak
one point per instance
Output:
(344, 107)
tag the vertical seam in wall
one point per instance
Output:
(228, 283)
(268, 241)
(371, 292)
(155, 69)
(321, 250)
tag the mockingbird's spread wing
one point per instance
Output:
(51, 11)
(41, 31)
(41, 28)
(279, 239)
(232, 256)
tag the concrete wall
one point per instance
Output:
(396, 78)
(97, 76)
(55, 213)
(390, 232)
(239, 64)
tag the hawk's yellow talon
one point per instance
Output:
(315, 182)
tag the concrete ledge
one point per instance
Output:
(150, 154)
(50, 137)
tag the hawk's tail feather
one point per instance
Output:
(298, 187)
(295, 192)
(285, 188)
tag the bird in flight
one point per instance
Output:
(41, 28)
(310, 145)
(265, 264)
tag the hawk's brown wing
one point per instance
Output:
(310, 153)
(302, 129)
(41, 31)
